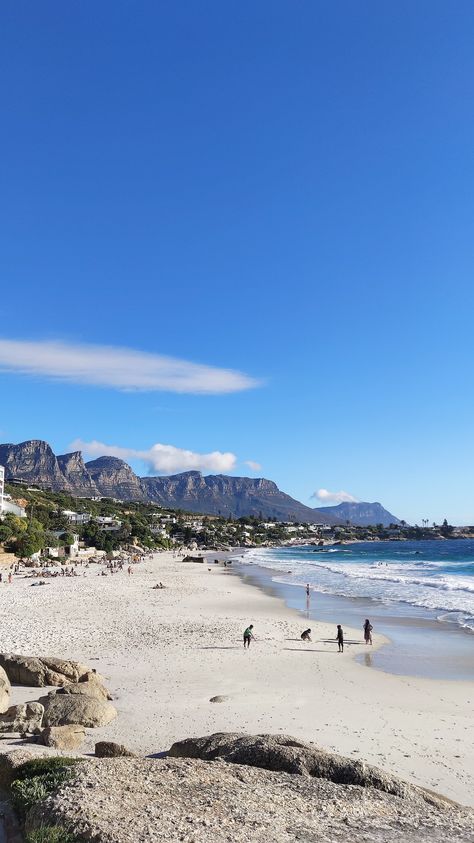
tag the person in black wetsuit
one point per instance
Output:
(340, 638)
(368, 631)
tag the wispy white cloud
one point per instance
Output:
(164, 459)
(334, 497)
(254, 466)
(117, 368)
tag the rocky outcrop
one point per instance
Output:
(35, 462)
(286, 754)
(63, 737)
(115, 479)
(39, 671)
(75, 709)
(5, 691)
(73, 469)
(125, 800)
(23, 719)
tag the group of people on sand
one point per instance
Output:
(306, 635)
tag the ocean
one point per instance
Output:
(420, 595)
(435, 576)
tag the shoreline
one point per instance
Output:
(414, 644)
(164, 653)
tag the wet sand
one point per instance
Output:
(418, 645)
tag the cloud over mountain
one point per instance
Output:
(165, 459)
(326, 496)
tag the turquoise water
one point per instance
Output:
(432, 579)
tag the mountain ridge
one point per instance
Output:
(360, 513)
(35, 462)
(213, 494)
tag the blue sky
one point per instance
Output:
(279, 195)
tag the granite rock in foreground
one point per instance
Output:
(282, 753)
(125, 800)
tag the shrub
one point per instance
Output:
(49, 834)
(38, 778)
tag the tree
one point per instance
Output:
(446, 529)
(31, 540)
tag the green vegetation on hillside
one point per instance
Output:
(151, 526)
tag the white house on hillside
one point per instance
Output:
(6, 503)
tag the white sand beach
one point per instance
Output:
(166, 652)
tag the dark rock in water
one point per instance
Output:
(109, 749)
(126, 800)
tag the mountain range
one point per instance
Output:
(35, 462)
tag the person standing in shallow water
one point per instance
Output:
(340, 638)
(248, 636)
(368, 631)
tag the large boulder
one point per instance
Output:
(76, 709)
(286, 754)
(126, 800)
(63, 737)
(90, 688)
(5, 691)
(39, 671)
(22, 719)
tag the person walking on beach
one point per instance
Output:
(368, 631)
(340, 638)
(306, 635)
(248, 636)
(307, 590)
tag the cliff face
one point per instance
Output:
(73, 469)
(219, 494)
(222, 495)
(35, 462)
(115, 479)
